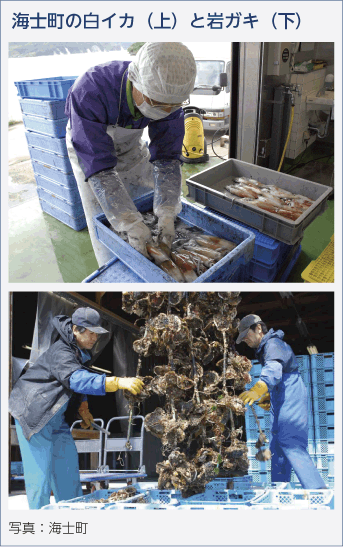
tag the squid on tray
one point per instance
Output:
(192, 258)
(269, 197)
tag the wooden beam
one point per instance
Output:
(304, 300)
(98, 297)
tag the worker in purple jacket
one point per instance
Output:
(108, 108)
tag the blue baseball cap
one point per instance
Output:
(88, 318)
(246, 323)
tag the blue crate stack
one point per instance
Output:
(42, 103)
(317, 372)
(267, 261)
(322, 425)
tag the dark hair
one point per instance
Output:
(80, 329)
(263, 326)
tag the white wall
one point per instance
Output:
(308, 84)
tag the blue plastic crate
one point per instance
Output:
(263, 477)
(267, 249)
(54, 110)
(233, 483)
(206, 506)
(267, 275)
(324, 474)
(290, 266)
(191, 215)
(52, 144)
(97, 506)
(77, 224)
(323, 361)
(53, 128)
(252, 450)
(50, 158)
(321, 462)
(152, 499)
(252, 434)
(222, 496)
(236, 483)
(322, 390)
(90, 501)
(295, 498)
(318, 446)
(321, 432)
(321, 376)
(321, 419)
(331, 482)
(74, 209)
(255, 465)
(163, 497)
(114, 271)
(250, 422)
(331, 447)
(306, 377)
(56, 87)
(67, 179)
(70, 194)
(322, 404)
(331, 464)
(303, 362)
(259, 273)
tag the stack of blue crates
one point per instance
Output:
(269, 256)
(322, 425)
(42, 103)
(317, 372)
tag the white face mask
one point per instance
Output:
(154, 113)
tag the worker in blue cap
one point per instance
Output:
(281, 390)
(46, 393)
(108, 108)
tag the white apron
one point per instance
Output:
(134, 169)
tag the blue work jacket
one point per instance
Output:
(288, 394)
(46, 386)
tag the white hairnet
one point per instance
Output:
(164, 71)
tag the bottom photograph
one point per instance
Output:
(171, 400)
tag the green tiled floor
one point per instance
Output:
(44, 250)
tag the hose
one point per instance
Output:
(288, 137)
(213, 141)
(310, 161)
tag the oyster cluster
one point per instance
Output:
(200, 381)
(120, 495)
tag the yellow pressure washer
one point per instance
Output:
(194, 146)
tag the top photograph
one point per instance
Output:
(171, 162)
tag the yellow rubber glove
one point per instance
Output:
(86, 416)
(264, 402)
(254, 393)
(131, 384)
